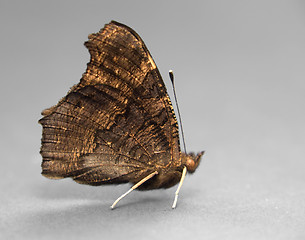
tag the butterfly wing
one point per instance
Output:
(117, 125)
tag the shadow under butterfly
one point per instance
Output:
(117, 125)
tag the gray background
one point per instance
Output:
(239, 69)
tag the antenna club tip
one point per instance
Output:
(171, 75)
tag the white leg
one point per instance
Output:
(134, 187)
(178, 189)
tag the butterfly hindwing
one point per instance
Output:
(117, 125)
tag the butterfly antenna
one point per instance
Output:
(171, 76)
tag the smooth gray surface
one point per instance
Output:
(239, 69)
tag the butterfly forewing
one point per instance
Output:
(117, 125)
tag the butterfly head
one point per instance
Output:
(192, 161)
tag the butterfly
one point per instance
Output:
(117, 125)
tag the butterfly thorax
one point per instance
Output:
(170, 176)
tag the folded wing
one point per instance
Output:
(117, 125)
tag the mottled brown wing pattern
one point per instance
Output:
(117, 125)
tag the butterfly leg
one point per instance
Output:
(134, 187)
(178, 189)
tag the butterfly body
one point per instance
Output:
(117, 125)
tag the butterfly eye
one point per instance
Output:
(190, 165)
(192, 161)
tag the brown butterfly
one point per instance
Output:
(117, 125)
